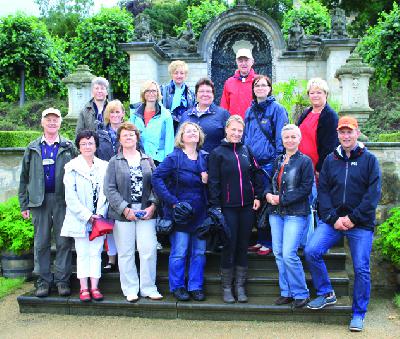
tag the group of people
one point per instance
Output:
(180, 155)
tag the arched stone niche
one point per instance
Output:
(240, 27)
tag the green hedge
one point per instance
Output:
(389, 137)
(17, 138)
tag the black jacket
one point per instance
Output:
(327, 138)
(297, 180)
(234, 177)
(350, 186)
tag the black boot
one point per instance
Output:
(240, 281)
(226, 280)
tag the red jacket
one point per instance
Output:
(237, 96)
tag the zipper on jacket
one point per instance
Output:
(228, 193)
(345, 182)
(240, 173)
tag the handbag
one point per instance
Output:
(101, 226)
(164, 226)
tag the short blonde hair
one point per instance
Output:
(236, 118)
(146, 86)
(317, 83)
(112, 106)
(174, 65)
(291, 127)
(181, 130)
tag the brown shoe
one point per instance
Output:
(283, 300)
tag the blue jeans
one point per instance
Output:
(287, 232)
(264, 234)
(360, 243)
(182, 245)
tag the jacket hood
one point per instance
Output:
(354, 154)
(80, 165)
(264, 104)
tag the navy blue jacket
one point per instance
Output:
(177, 179)
(212, 123)
(350, 186)
(296, 184)
(105, 151)
(234, 177)
(272, 117)
(327, 138)
(168, 91)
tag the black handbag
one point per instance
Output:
(164, 226)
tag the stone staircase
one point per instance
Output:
(262, 288)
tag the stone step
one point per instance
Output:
(259, 309)
(258, 283)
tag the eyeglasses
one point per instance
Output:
(262, 86)
(86, 144)
(205, 91)
(151, 91)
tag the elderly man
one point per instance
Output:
(41, 193)
(349, 192)
(237, 94)
(91, 117)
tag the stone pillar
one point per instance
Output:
(144, 61)
(354, 80)
(336, 52)
(79, 91)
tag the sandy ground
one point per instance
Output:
(383, 321)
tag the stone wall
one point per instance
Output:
(10, 169)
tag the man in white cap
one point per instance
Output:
(237, 95)
(41, 193)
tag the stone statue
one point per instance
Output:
(298, 40)
(184, 43)
(338, 23)
(296, 35)
(142, 28)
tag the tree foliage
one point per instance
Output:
(201, 15)
(25, 44)
(96, 45)
(380, 47)
(311, 15)
(164, 14)
(366, 13)
(274, 8)
(63, 16)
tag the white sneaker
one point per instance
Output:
(132, 298)
(155, 296)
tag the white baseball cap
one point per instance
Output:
(244, 52)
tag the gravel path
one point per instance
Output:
(383, 321)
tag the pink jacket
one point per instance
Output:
(236, 97)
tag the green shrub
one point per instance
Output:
(388, 237)
(17, 138)
(396, 300)
(9, 285)
(389, 137)
(16, 233)
(311, 15)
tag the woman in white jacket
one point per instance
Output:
(85, 201)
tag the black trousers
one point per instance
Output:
(240, 221)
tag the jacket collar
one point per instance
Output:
(354, 153)
(249, 78)
(140, 110)
(120, 156)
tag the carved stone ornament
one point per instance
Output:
(185, 43)
(338, 24)
(142, 28)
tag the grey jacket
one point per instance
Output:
(117, 185)
(31, 185)
(87, 118)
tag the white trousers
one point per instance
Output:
(112, 249)
(88, 257)
(143, 233)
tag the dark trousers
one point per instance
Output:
(45, 218)
(240, 221)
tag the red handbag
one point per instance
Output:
(101, 226)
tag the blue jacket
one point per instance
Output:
(212, 122)
(178, 179)
(350, 186)
(273, 117)
(327, 138)
(106, 151)
(168, 91)
(157, 138)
